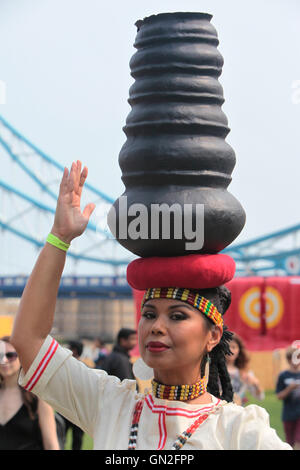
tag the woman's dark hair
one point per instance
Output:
(76, 346)
(219, 383)
(29, 400)
(243, 359)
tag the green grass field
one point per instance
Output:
(270, 403)
(86, 445)
(273, 407)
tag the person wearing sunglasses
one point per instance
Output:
(26, 423)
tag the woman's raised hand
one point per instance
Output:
(70, 221)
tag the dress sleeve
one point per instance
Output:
(255, 431)
(70, 387)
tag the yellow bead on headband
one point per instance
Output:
(185, 295)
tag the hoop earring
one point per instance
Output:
(141, 371)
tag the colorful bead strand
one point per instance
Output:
(135, 424)
(179, 392)
(181, 440)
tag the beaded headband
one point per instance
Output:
(185, 295)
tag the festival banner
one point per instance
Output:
(283, 319)
(264, 311)
(244, 314)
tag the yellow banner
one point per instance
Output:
(6, 323)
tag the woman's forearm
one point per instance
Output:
(37, 306)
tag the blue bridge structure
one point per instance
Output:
(29, 183)
(87, 287)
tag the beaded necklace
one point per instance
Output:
(179, 392)
(181, 439)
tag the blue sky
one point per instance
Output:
(66, 68)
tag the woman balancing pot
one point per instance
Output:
(180, 329)
(175, 160)
(182, 338)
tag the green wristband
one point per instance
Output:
(53, 240)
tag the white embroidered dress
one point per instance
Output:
(103, 407)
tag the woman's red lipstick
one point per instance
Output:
(156, 346)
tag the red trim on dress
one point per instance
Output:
(165, 431)
(164, 411)
(177, 411)
(42, 365)
(160, 431)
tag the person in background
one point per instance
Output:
(26, 422)
(242, 379)
(288, 390)
(100, 352)
(77, 434)
(118, 363)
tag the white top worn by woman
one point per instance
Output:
(103, 407)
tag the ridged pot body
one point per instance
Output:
(175, 152)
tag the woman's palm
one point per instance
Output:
(70, 221)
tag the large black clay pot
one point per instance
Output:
(175, 152)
